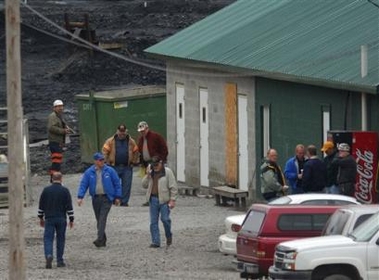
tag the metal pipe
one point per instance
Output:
(364, 70)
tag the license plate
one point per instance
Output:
(250, 268)
(240, 266)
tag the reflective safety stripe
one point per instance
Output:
(57, 157)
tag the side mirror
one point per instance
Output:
(236, 228)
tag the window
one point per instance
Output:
(293, 222)
(366, 230)
(325, 109)
(253, 222)
(327, 202)
(336, 223)
(266, 128)
(361, 219)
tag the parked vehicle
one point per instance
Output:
(349, 217)
(227, 241)
(265, 226)
(351, 257)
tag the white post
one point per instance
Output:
(364, 62)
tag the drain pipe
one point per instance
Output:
(364, 50)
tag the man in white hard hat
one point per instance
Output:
(56, 130)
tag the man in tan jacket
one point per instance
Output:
(121, 152)
(162, 192)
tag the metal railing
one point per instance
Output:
(4, 165)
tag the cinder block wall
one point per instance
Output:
(215, 83)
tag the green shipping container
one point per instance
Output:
(101, 112)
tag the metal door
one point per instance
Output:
(180, 130)
(243, 155)
(204, 138)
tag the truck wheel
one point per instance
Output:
(337, 277)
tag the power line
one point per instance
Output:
(263, 73)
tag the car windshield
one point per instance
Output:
(253, 222)
(367, 230)
(336, 223)
(310, 200)
(281, 200)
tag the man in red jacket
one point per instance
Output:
(150, 144)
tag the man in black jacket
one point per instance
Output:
(54, 204)
(314, 174)
(331, 169)
(347, 170)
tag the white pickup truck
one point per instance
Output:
(336, 257)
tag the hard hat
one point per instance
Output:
(58, 103)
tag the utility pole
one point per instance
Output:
(15, 142)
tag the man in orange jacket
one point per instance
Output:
(121, 152)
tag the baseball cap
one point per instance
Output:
(344, 147)
(327, 145)
(142, 126)
(98, 156)
(58, 102)
(155, 160)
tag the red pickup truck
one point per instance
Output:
(267, 225)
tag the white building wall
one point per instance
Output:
(192, 79)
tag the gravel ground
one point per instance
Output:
(196, 225)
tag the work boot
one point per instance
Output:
(49, 262)
(100, 243)
(169, 241)
(61, 264)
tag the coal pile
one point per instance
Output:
(55, 69)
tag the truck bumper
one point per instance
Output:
(279, 274)
(248, 270)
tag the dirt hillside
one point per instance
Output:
(52, 68)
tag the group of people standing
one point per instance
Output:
(108, 182)
(306, 172)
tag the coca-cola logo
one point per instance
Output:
(365, 170)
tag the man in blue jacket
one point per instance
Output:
(294, 170)
(105, 188)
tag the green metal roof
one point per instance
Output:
(314, 41)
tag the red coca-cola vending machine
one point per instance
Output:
(364, 148)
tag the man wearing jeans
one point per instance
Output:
(54, 204)
(121, 152)
(104, 187)
(162, 192)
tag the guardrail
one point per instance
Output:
(4, 163)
